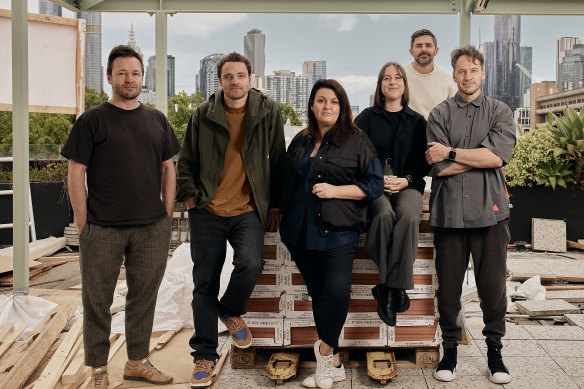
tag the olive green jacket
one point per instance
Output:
(200, 162)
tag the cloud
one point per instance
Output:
(358, 88)
(340, 23)
(202, 25)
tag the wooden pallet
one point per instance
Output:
(354, 358)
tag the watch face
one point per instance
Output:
(452, 154)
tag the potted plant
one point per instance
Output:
(544, 176)
(51, 207)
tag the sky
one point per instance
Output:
(355, 46)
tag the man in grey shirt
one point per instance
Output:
(470, 138)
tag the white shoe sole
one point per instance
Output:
(500, 378)
(445, 375)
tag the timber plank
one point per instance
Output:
(43, 340)
(62, 357)
(546, 307)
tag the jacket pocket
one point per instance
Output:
(340, 171)
(342, 215)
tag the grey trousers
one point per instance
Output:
(101, 250)
(488, 246)
(392, 239)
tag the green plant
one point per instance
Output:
(531, 150)
(51, 172)
(568, 133)
(554, 173)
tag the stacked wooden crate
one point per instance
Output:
(280, 309)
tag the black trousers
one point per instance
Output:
(488, 246)
(327, 275)
(209, 236)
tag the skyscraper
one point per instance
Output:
(286, 87)
(93, 67)
(501, 55)
(572, 69)
(47, 7)
(208, 80)
(526, 61)
(315, 70)
(562, 45)
(150, 76)
(254, 48)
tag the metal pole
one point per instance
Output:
(464, 23)
(20, 145)
(161, 53)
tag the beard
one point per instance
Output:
(424, 61)
(119, 90)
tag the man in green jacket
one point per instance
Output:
(227, 175)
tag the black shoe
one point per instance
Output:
(499, 372)
(446, 370)
(401, 300)
(385, 309)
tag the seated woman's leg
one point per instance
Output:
(408, 208)
(379, 236)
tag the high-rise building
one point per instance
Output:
(286, 87)
(501, 55)
(47, 7)
(150, 77)
(526, 61)
(93, 67)
(209, 82)
(572, 69)
(562, 45)
(132, 40)
(315, 70)
(254, 48)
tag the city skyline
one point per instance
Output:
(354, 46)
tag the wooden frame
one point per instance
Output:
(80, 64)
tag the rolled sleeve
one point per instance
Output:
(372, 185)
(501, 137)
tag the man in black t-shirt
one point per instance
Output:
(126, 151)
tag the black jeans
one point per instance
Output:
(488, 246)
(327, 275)
(209, 237)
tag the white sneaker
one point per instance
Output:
(323, 377)
(338, 376)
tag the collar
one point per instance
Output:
(406, 110)
(463, 103)
(256, 108)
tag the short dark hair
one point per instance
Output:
(233, 57)
(344, 126)
(423, 32)
(124, 51)
(470, 51)
(379, 97)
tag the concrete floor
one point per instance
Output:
(537, 356)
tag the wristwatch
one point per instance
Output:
(452, 154)
(410, 179)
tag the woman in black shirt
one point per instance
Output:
(399, 135)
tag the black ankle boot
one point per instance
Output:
(499, 372)
(446, 370)
(385, 309)
(401, 300)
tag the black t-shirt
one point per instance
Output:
(384, 137)
(123, 151)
